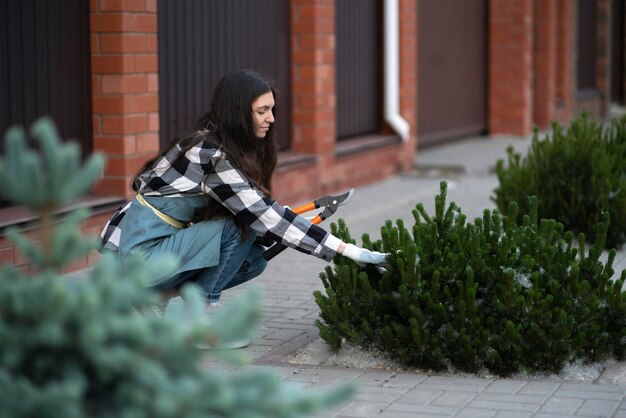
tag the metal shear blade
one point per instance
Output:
(338, 200)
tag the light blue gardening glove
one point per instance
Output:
(363, 256)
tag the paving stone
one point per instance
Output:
(362, 409)
(405, 381)
(284, 372)
(504, 406)
(270, 344)
(597, 408)
(296, 313)
(476, 413)
(454, 398)
(541, 415)
(501, 397)
(325, 376)
(396, 414)
(387, 397)
(505, 386)
(509, 414)
(462, 384)
(277, 324)
(420, 396)
(539, 388)
(594, 394)
(255, 351)
(561, 406)
(283, 334)
(588, 387)
(378, 389)
(375, 378)
(418, 410)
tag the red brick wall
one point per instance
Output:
(9, 255)
(510, 66)
(408, 78)
(623, 52)
(313, 76)
(544, 63)
(125, 88)
(532, 67)
(603, 51)
(566, 60)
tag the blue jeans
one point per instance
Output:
(239, 262)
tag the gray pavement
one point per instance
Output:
(289, 312)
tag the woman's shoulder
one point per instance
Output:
(204, 149)
(209, 143)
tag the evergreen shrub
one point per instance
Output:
(79, 347)
(576, 174)
(495, 294)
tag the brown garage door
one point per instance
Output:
(452, 69)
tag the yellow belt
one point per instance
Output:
(163, 216)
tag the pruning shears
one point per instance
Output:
(330, 204)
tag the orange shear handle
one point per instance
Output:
(305, 208)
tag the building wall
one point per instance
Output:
(533, 64)
(532, 79)
(125, 83)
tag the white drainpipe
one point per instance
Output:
(392, 71)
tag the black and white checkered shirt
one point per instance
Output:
(205, 169)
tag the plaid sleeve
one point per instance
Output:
(229, 187)
(110, 234)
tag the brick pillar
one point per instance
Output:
(124, 63)
(544, 91)
(623, 52)
(408, 77)
(603, 55)
(566, 60)
(313, 77)
(510, 66)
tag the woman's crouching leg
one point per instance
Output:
(253, 265)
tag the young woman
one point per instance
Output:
(206, 199)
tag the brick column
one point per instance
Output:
(124, 65)
(510, 66)
(544, 91)
(603, 55)
(313, 76)
(408, 77)
(623, 52)
(566, 60)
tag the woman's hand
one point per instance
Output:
(362, 255)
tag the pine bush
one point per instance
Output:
(576, 174)
(79, 347)
(495, 294)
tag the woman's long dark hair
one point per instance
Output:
(229, 123)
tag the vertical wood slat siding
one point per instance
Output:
(45, 66)
(452, 68)
(586, 45)
(359, 54)
(201, 40)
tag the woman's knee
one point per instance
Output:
(257, 266)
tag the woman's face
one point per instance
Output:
(262, 114)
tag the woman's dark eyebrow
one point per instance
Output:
(264, 107)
